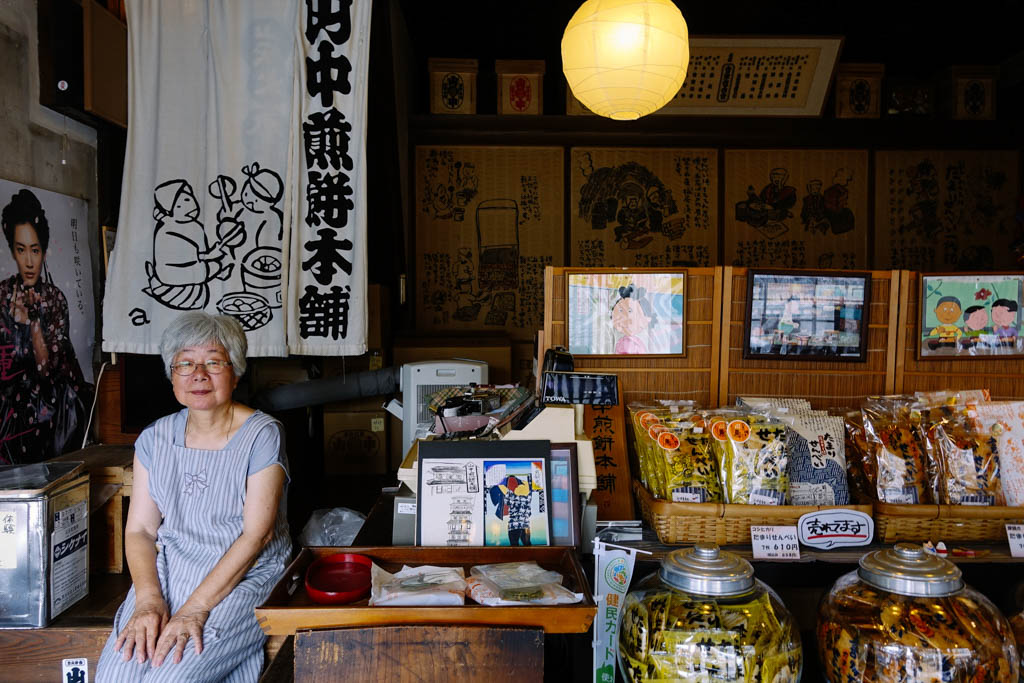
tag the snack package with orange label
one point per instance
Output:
(892, 430)
(674, 448)
(751, 452)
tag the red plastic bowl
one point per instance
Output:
(338, 579)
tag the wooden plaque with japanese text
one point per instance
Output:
(605, 426)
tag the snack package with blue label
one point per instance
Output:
(817, 459)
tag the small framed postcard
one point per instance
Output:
(483, 493)
(565, 495)
(626, 311)
(807, 315)
(971, 316)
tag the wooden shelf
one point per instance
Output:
(993, 553)
(748, 131)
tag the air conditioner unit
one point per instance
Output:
(421, 380)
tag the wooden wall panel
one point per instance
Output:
(1004, 378)
(824, 384)
(693, 377)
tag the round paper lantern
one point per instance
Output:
(625, 58)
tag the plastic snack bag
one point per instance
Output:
(968, 456)
(1004, 421)
(817, 460)
(752, 456)
(425, 586)
(895, 449)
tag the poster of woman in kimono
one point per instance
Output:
(46, 324)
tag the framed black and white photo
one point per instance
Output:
(806, 315)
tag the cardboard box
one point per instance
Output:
(452, 85)
(355, 442)
(520, 86)
(859, 91)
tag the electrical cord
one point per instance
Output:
(92, 409)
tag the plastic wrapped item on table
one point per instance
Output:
(486, 593)
(752, 457)
(332, 527)
(704, 617)
(906, 616)
(523, 581)
(424, 586)
(895, 447)
(968, 455)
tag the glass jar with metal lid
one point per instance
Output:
(704, 617)
(906, 615)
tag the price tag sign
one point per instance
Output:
(1015, 534)
(775, 542)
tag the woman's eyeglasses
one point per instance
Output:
(187, 367)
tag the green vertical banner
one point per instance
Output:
(613, 568)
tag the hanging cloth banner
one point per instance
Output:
(211, 191)
(613, 569)
(327, 306)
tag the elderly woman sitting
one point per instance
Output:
(207, 534)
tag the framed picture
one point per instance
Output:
(971, 315)
(626, 311)
(483, 493)
(565, 495)
(806, 315)
(756, 76)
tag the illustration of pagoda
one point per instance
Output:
(460, 520)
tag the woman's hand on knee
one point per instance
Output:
(140, 634)
(186, 624)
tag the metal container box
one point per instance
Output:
(44, 541)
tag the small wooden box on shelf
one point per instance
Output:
(110, 487)
(520, 86)
(452, 85)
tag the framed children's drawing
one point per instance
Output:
(626, 311)
(565, 495)
(806, 315)
(971, 316)
(483, 493)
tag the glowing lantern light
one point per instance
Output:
(625, 58)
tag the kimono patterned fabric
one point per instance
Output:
(200, 495)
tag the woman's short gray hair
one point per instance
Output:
(195, 328)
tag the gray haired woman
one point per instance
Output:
(207, 533)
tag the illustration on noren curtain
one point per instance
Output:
(243, 249)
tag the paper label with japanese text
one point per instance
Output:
(775, 542)
(69, 559)
(1015, 535)
(8, 539)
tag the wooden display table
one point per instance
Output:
(81, 631)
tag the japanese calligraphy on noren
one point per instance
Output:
(644, 207)
(329, 238)
(488, 221)
(943, 211)
(796, 208)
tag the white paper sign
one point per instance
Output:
(407, 508)
(775, 542)
(76, 670)
(835, 528)
(8, 539)
(1015, 534)
(69, 561)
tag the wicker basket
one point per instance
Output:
(684, 523)
(945, 523)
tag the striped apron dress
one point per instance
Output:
(200, 495)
